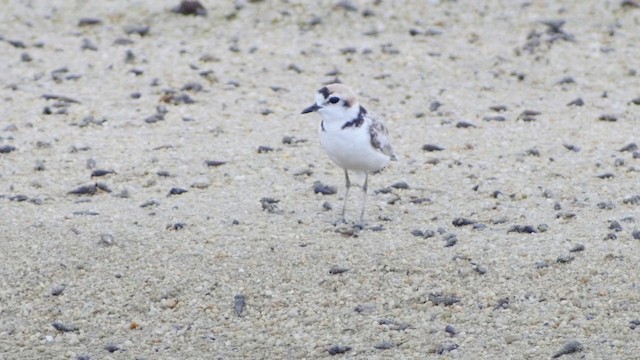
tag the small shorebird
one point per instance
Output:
(354, 139)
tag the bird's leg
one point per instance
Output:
(364, 198)
(347, 185)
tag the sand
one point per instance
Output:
(519, 239)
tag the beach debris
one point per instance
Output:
(571, 347)
(238, 304)
(320, 188)
(338, 349)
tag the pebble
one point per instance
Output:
(187, 7)
(88, 21)
(608, 118)
(569, 348)
(58, 290)
(63, 327)
(110, 347)
(270, 204)
(446, 348)
(264, 149)
(214, 163)
(338, 349)
(91, 189)
(141, 30)
(449, 329)
(629, 147)
(5, 149)
(576, 102)
(457, 222)
(177, 191)
(522, 229)
(337, 269)
(577, 248)
(442, 299)
(464, 125)
(431, 148)
(321, 188)
(239, 304)
(632, 200)
(400, 185)
(563, 259)
(385, 345)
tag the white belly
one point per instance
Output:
(351, 148)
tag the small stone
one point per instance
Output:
(450, 330)
(89, 21)
(434, 106)
(441, 299)
(400, 185)
(264, 149)
(188, 7)
(431, 148)
(337, 269)
(498, 118)
(141, 30)
(177, 191)
(457, 222)
(632, 200)
(214, 163)
(636, 234)
(522, 229)
(577, 248)
(5, 149)
(608, 118)
(338, 349)
(64, 327)
(629, 147)
(385, 345)
(58, 290)
(270, 204)
(563, 259)
(239, 304)
(576, 102)
(443, 349)
(569, 348)
(321, 188)
(112, 347)
(464, 125)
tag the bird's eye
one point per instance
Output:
(334, 100)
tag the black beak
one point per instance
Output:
(311, 108)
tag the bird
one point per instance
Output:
(354, 139)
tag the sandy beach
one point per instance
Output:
(157, 181)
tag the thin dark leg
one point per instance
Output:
(364, 197)
(346, 194)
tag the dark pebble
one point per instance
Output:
(188, 7)
(86, 213)
(154, 118)
(400, 185)
(615, 226)
(450, 330)
(434, 106)
(192, 86)
(25, 57)
(97, 173)
(214, 163)
(566, 80)
(264, 149)
(163, 173)
(576, 102)
(606, 176)
(176, 191)
(457, 222)
(336, 269)
(569, 348)
(17, 44)
(239, 304)
(431, 147)
(606, 205)
(563, 259)
(83, 357)
(58, 290)
(498, 108)
(577, 248)
(464, 125)
(633, 324)
(573, 148)
(89, 21)
(636, 234)
(417, 232)
(327, 205)
(85, 190)
(5, 149)
(629, 147)
(269, 204)
(451, 240)
(446, 300)
(529, 113)
(18, 198)
(533, 152)
(176, 226)
(502, 304)
(608, 117)
(611, 236)
(62, 98)
(63, 327)
(112, 347)
(494, 118)
(320, 188)
(88, 45)
(480, 269)
(420, 200)
(338, 349)
(632, 200)
(636, 154)
(385, 345)
(522, 229)
(636, 101)
(443, 349)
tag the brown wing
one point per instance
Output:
(380, 138)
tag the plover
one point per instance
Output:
(354, 139)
